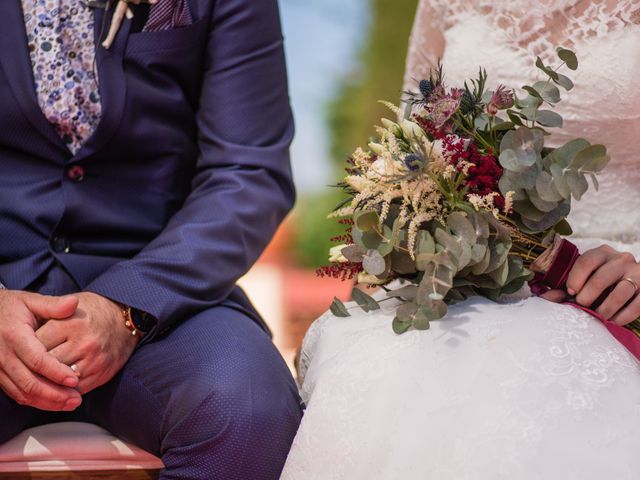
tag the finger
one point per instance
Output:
(66, 353)
(47, 307)
(33, 354)
(556, 296)
(585, 265)
(605, 277)
(617, 299)
(629, 313)
(52, 334)
(38, 392)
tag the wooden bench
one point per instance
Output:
(73, 450)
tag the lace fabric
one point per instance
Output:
(525, 389)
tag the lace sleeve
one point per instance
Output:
(426, 45)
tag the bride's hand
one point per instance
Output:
(594, 272)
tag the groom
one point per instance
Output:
(120, 260)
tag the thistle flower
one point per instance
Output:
(413, 161)
(500, 100)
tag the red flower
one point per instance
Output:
(484, 173)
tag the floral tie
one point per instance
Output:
(62, 49)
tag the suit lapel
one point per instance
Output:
(16, 64)
(111, 76)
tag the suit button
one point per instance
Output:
(60, 245)
(76, 173)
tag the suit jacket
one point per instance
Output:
(185, 179)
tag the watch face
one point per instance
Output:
(142, 320)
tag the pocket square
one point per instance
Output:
(168, 14)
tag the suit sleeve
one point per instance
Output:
(242, 188)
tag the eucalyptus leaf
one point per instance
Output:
(408, 292)
(548, 91)
(374, 263)
(559, 181)
(421, 319)
(482, 266)
(478, 251)
(500, 274)
(524, 146)
(549, 118)
(481, 122)
(564, 81)
(591, 159)
(565, 154)
(532, 91)
(568, 57)
(448, 242)
(399, 326)
(541, 204)
(406, 312)
(563, 228)
(338, 308)
(524, 178)
(401, 262)
(480, 224)
(515, 117)
(461, 227)
(425, 242)
(437, 280)
(353, 253)
(540, 64)
(577, 183)
(548, 220)
(546, 188)
(528, 210)
(366, 302)
(366, 220)
(367, 240)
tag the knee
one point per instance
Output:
(242, 429)
(244, 394)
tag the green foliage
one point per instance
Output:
(314, 230)
(352, 112)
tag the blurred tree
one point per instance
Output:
(356, 108)
(353, 113)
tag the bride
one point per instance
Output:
(526, 388)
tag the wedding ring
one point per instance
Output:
(74, 367)
(632, 282)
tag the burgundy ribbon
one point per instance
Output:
(556, 278)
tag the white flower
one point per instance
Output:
(412, 130)
(393, 127)
(377, 169)
(377, 148)
(336, 256)
(369, 279)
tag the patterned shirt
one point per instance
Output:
(60, 34)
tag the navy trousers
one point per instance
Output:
(212, 397)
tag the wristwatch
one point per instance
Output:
(137, 321)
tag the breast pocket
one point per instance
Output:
(172, 40)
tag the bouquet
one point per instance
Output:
(464, 197)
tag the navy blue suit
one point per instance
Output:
(183, 184)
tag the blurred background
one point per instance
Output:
(343, 56)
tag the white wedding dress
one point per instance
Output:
(525, 389)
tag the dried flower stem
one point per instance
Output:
(122, 10)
